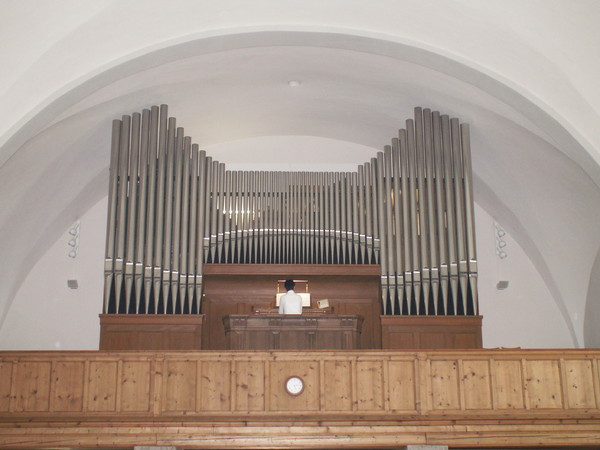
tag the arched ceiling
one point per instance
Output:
(361, 71)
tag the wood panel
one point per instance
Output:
(180, 386)
(102, 386)
(5, 384)
(249, 385)
(135, 386)
(509, 386)
(338, 385)
(430, 332)
(68, 381)
(150, 332)
(476, 379)
(463, 398)
(402, 386)
(32, 393)
(444, 385)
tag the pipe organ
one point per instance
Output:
(172, 209)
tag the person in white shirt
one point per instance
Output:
(290, 303)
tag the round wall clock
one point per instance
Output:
(294, 385)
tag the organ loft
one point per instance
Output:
(386, 353)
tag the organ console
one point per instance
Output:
(173, 209)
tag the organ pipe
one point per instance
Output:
(172, 209)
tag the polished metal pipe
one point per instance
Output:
(164, 140)
(398, 223)
(355, 214)
(185, 223)
(423, 220)
(461, 244)
(432, 236)
(406, 219)
(122, 211)
(344, 204)
(379, 162)
(202, 222)
(450, 210)
(151, 208)
(141, 193)
(176, 218)
(369, 235)
(374, 213)
(134, 154)
(361, 214)
(194, 238)
(389, 224)
(441, 213)
(469, 214)
(168, 223)
(109, 260)
(414, 215)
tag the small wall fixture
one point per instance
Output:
(501, 285)
(74, 240)
(500, 242)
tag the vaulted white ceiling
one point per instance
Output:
(522, 73)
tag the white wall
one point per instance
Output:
(524, 314)
(47, 315)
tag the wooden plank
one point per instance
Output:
(508, 389)
(402, 386)
(444, 383)
(135, 386)
(31, 386)
(250, 385)
(180, 381)
(67, 383)
(369, 378)
(102, 386)
(215, 385)
(476, 384)
(6, 369)
(579, 377)
(543, 384)
(338, 385)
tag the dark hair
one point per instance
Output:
(289, 285)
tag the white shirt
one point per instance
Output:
(290, 303)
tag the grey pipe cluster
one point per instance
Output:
(172, 209)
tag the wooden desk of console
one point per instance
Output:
(292, 332)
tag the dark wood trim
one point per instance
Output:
(292, 269)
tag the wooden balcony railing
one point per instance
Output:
(350, 398)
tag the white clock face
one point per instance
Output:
(294, 385)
